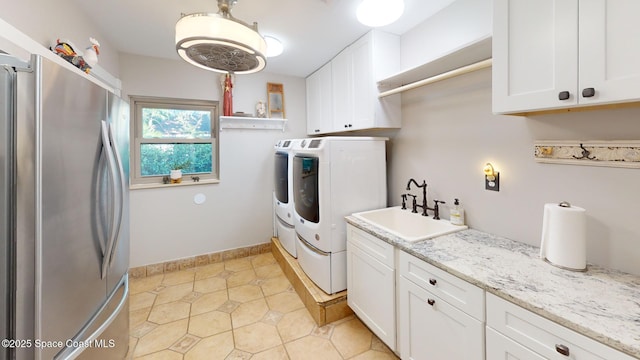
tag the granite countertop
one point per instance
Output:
(600, 303)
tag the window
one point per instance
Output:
(173, 133)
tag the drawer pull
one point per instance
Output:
(588, 92)
(564, 95)
(562, 349)
(432, 302)
(433, 282)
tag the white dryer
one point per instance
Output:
(334, 177)
(283, 195)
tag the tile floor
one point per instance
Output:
(238, 309)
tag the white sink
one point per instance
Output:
(407, 225)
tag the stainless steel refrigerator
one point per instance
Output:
(64, 250)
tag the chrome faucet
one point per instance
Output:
(436, 207)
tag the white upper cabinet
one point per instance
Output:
(554, 54)
(319, 101)
(354, 92)
(609, 50)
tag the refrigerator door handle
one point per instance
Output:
(106, 145)
(120, 196)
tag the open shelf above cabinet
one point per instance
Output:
(468, 54)
(242, 122)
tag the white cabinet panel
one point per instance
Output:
(535, 54)
(371, 293)
(353, 92)
(319, 101)
(544, 337)
(342, 85)
(554, 54)
(431, 328)
(501, 347)
(465, 296)
(609, 50)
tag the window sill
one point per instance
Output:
(183, 183)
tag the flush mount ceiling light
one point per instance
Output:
(274, 46)
(376, 13)
(219, 42)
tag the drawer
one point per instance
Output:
(543, 336)
(501, 347)
(376, 248)
(432, 329)
(457, 292)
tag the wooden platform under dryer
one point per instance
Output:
(323, 308)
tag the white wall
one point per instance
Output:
(460, 23)
(46, 21)
(165, 223)
(449, 132)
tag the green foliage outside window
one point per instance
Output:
(175, 124)
(160, 159)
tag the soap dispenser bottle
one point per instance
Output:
(456, 215)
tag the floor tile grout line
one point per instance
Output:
(263, 296)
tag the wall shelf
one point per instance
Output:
(242, 122)
(474, 52)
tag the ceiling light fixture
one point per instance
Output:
(219, 42)
(376, 13)
(274, 46)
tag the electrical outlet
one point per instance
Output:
(493, 185)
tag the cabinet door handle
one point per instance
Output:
(563, 95)
(562, 349)
(432, 302)
(317, 130)
(588, 92)
(433, 281)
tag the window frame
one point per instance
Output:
(140, 102)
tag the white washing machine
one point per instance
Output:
(334, 177)
(283, 195)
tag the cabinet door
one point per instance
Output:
(431, 328)
(342, 83)
(363, 84)
(319, 101)
(609, 50)
(501, 347)
(371, 287)
(535, 54)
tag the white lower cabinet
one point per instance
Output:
(423, 312)
(371, 283)
(544, 339)
(440, 316)
(432, 329)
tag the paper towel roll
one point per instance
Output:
(564, 236)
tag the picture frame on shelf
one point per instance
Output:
(275, 96)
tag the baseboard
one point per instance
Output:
(199, 260)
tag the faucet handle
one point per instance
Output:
(404, 201)
(436, 209)
(414, 203)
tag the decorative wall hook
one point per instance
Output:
(585, 154)
(624, 154)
